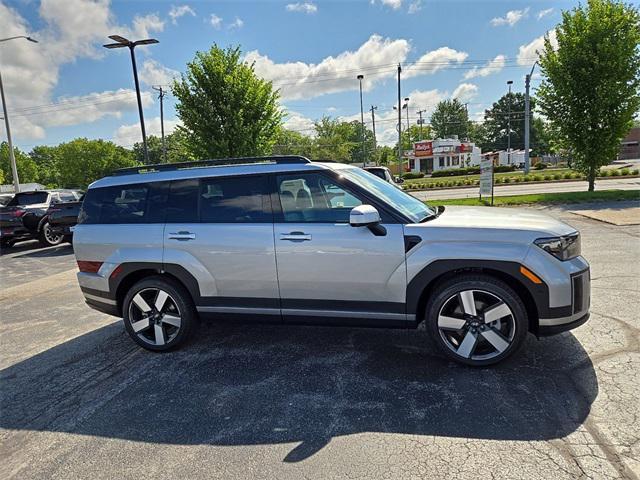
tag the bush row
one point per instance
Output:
(519, 179)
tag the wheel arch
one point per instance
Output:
(422, 285)
(131, 273)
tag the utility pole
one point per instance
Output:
(510, 82)
(161, 97)
(399, 125)
(12, 158)
(406, 104)
(375, 141)
(527, 113)
(364, 156)
(421, 121)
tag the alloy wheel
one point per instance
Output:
(476, 324)
(154, 316)
(51, 238)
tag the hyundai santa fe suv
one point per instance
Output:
(287, 240)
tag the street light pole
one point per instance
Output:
(161, 97)
(420, 122)
(510, 82)
(399, 126)
(122, 42)
(375, 141)
(12, 157)
(364, 156)
(406, 105)
(527, 108)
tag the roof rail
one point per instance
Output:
(168, 167)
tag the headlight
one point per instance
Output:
(563, 248)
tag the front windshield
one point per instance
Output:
(409, 206)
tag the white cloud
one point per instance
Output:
(511, 18)
(237, 23)
(544, 13)
(216, 21)
(298, 122)
(179, 11)
(127, 135)
(433, 61)
(415, 7)
(527, 54)
(154, 73)
(143, 26)
(332, 74)
(395, 4)
(465, 92)
(306, 7)
(493, 66)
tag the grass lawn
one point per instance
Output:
(546, 198)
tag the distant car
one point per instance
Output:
(5, 198)
(385, 174)
(64, 216)
(26, 216)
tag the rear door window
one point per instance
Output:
(235, 200)
(182, 205)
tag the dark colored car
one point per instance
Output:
(26, 216)
(63, 216)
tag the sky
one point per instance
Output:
(68, 85)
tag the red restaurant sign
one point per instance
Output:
(423, 149)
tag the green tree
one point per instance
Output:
(590, 90)
(83, 161)
(226, 110)
(27, 168)
(289, 142)
(496, 123)
(45, 157)
(177, 150)
(450, 118)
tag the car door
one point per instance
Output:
(220, 230)
(328, 269)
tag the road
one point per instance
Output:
(519, 189)
(78, 399)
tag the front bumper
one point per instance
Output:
(576, 314)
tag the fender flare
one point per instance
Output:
(424, 281)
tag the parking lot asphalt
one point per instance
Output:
(78, 399)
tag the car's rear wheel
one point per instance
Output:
(48, 238)
(159, 314)
(477, 319)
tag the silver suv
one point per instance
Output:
(286, 240)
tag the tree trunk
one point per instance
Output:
(592, 180)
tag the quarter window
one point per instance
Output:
(119, 204)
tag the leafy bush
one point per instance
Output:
(548, 177)
(527, 178)
(557, 176)
(537, 178)
(624, 172)
(540, 166)
(412, 175)
(615, 173)
(497, 180)
(635, 172)
(454, 172)
(517, 179)
(604, 173)
(567, 175)
(506, 180)
(575, 175)
(504, 168)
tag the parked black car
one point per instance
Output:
(63, 216)
(26, 216)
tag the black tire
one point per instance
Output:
(487, 293)
(47, 239)
(178, 297)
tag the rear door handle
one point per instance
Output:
(295, 236)
(182, 236)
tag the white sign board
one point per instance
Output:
(486, 177)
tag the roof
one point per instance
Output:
(213, 168)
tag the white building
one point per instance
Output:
(502, 157)
(443, 154)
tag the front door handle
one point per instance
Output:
(295, 236)
(182, 236)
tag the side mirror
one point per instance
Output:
(367, 216)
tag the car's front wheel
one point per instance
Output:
(476, 319)
(159, 314)
(48, 238)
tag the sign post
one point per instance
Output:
(486, 178)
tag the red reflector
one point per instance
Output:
(18, 213)
(116, 271)
(89, 267)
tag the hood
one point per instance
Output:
(500, 218)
